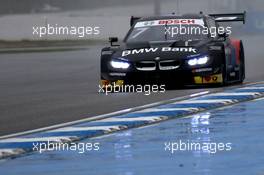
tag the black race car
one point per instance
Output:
(167, 50)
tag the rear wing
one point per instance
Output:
(230, 17)
(133, 19)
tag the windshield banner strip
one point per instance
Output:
(170, 22)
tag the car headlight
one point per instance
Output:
(198, 61)
(119, 64)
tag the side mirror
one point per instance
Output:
(223, 35)
(113, 40)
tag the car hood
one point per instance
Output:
(146, 51)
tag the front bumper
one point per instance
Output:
(196, 76)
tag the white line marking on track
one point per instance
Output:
(205, 101)
(150, 118)
(235, 94)
(39, 139)
(167, 109)
(252, 88)
(200, 93)
(89, 128)
(5, 152)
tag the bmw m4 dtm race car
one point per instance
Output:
(157, 50)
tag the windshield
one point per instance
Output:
(166, 30)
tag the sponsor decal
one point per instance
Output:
(217, 78)
(117, 74)
(170, 22)
(163, 49)
(202, 70)
(215, 48)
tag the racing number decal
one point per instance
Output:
(139, 31)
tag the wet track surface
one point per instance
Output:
(43, 89)
(143, 151)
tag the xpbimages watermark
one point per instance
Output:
(58, 146)
(211, 147)
(196, 30)
(79, 31)
(177, 27)
(146, 89)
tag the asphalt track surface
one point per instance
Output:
(46, 88)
